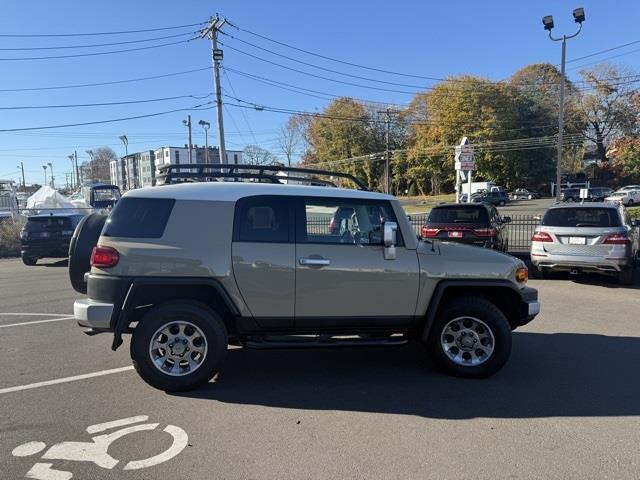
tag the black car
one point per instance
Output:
(595, 194)
(494, 198)
(47, 236)
(524, 194)
(473, 224)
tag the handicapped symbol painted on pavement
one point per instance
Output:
(96, 451)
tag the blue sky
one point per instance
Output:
(426, 38)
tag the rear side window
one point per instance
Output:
(139, 218)
(262, 219)
(458, 215)
(582, 217)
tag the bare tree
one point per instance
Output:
(97, 169)
(254, 155)
(290, 138)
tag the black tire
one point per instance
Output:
(630, 202)
(27, 260)
(84, 238)
(502, 203)
(196, 313)
(625, 277)
(491, 316)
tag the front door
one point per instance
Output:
(263, 255)
(342, 277)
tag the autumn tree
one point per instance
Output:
(609, 106)
(290, 138)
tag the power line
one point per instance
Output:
(99, 84)
(94, 54)
(246, 121)
(61, 47)
(99, 122)
(39, 35)
(603, 51)
(129, 102)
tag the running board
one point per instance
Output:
(322, 341)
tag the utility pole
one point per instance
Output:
(45, 174)
(387, 162)
(187, 123)
(205, 125)
(211, 32)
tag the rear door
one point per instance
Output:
(342, 278)
(263, 255)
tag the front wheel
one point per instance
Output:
(470, 337)
(630, 203)
(30, 261)
(179, 345)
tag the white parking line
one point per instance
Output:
(34, 314)
(56, 381)
(36, 321)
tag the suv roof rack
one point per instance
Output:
(208, 172)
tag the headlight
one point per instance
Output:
(522, 274)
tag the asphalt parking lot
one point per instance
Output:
(565, 406)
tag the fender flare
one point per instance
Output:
(123, 321)
(442, 286)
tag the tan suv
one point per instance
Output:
(190, 268)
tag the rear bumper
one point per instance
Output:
(56, 249)
(93, 314)
(581, 263)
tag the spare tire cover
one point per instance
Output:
(85, 237)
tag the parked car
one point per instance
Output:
(629, 187)
(47, 236)
(470, 223)
(598, 194)
(494, 198)
(626, 197)
(570, 195)
(591, 237)
(190, 268)
(524, 194)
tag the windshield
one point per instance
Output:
(105, 194)
(458, 215)
(582, 217)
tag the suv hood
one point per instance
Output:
(459, 261)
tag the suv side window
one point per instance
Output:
(262, 219)
(344, 221)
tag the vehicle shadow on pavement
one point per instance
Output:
(548, 375)
(59, 263)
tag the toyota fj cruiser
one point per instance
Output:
(190, 268)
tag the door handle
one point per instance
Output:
(316, 262)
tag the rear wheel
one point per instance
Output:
(630, 202)
(28, 260)
(84, 238)
(471, 337)
(179, 345)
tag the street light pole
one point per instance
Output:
(547, 21)
(53, 180)
(205, 125)
(187, 123)
(45, 174)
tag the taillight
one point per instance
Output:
(485, 232)
(541, 237)
(332, 225)
(426, 232)
(104, 257)
(617, 239)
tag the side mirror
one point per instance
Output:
(389, 240)
(506, 219)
